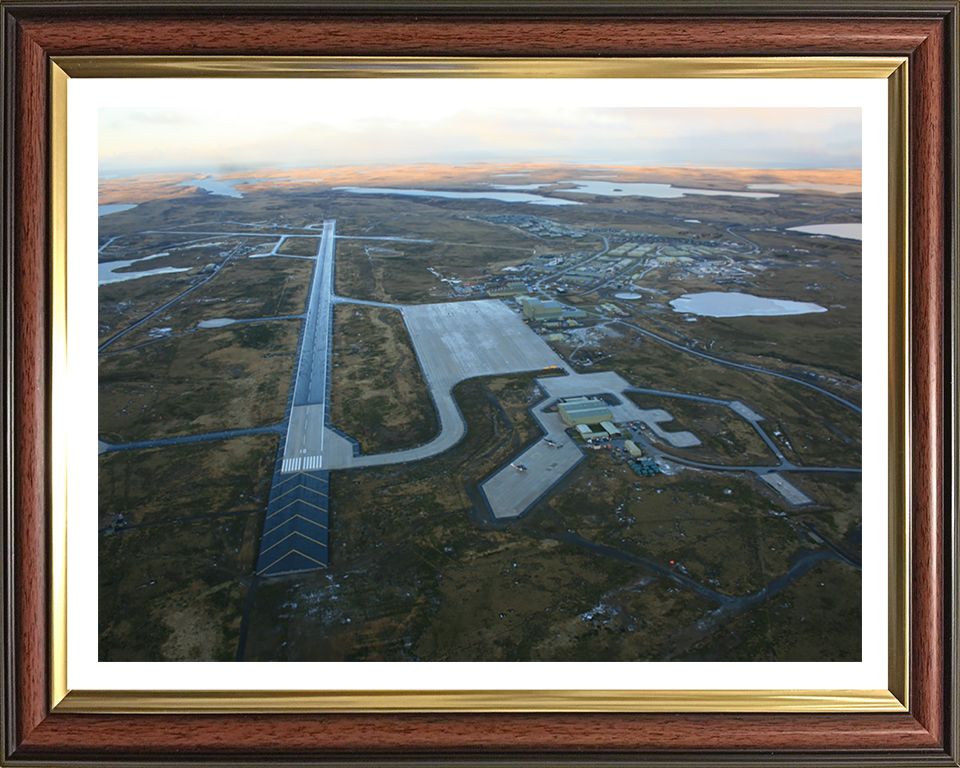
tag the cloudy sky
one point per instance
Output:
(219, 136)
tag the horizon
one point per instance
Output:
(493, 164)
(226, 138)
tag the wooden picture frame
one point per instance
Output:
(36, 33)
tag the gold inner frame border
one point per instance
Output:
(893, 699)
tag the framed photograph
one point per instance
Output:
(506, 348)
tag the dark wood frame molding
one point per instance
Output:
(925, 31)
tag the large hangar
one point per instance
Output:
(584, 410)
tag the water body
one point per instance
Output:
(636, 189)
(503, 197)
(852, 231)
(227, 188)
(843, 189)
(103, 210)
(106, 271)
(717, 304)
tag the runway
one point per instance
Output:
(305, 436)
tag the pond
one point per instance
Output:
(718, 304)
(106, 271)
(852, 231)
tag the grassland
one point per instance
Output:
(242, 290)
(172, 584)
(726, 438)
(378, 395)
(299, 246)
(822, 611)
(225, 378)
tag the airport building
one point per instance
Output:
(535, 309)
(633, 449)
(510, 289)
(610, 428)
(584, 410)
(505, 290)
(538, 309)
(588, 434)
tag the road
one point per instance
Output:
(752, 368)
(735, 406)
(555, 275)
(754, 248)
(160, 442)
(156, 312)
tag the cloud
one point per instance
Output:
(252, 135)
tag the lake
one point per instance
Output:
(842, 189)
(635, 189)
(103, 210)
(503, 197)
(852, 231)
(106, 273)
(718, 304)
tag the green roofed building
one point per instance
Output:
(535, 309)
(584, 410)
(539, 309)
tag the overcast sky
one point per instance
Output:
(212, 138)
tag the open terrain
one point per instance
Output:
(706, 556)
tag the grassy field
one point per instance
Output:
(225, 378)
(300, 246)
(378, 395)
(172, 585)
(242, 290)
(823, 610)
(725, 437)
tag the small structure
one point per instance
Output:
(584, 410)
(588, 434)
(645, 467)
(633, 449)
(510, 289)
(610, 428)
